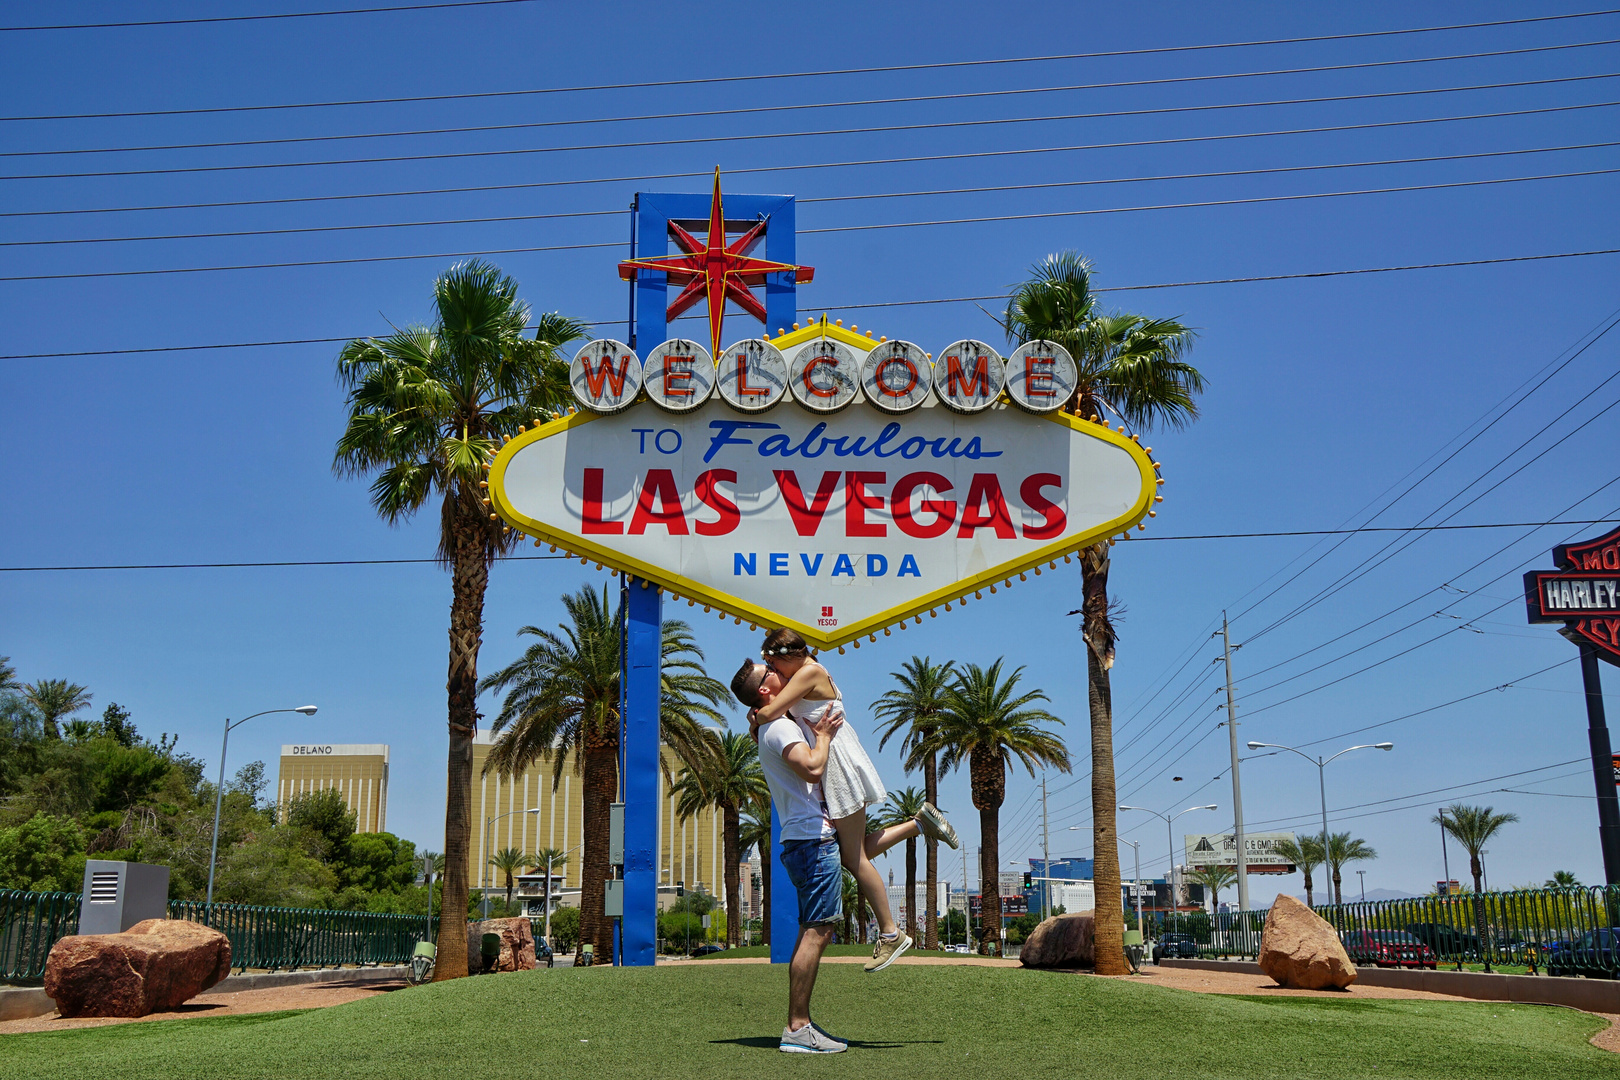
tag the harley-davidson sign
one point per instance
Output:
(1584, 594)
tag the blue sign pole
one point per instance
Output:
(644, 620)
(653, 213)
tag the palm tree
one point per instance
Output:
(8, 675)
(754, 833)
(1342, 849)
(1213, 878)
(852, 899)
(903, 806)
(1473, 827)
(510, 861)
(1563, 879)
(1304, 852)
(911, 709)
(987, 723)
(727, 779)
(548, 860)
(56, 698)
(562, 700)
(1133, 368)
(428, 406)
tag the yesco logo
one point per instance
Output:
(311, 751)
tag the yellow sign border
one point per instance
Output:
(741, 610)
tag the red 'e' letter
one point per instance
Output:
(857, 500)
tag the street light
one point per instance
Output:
(1136, 884)
(1175, 902)
(219, 795)
(489, 828)
(1321, 775)
(576, 847)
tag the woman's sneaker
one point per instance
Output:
(810, 1040)
(935, 827)
(888, 951)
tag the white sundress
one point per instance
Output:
(851, 782)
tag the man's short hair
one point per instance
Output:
(745, 684)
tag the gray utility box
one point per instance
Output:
(117, 895)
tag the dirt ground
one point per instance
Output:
(307, 996)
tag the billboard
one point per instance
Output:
(839, 522)
(1220, 849)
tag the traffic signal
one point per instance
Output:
(1029, 879)
(680, 888)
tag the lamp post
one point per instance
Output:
(1321, 778)
(576, 847)
(1175, 902)
(219, 796)
(1362, 874)
(1136, 884)
(489, 829)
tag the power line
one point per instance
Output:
(725, 79)
(808, 106)
(358, 259)
(262, 18)
(708, 140)
(380, 562)
(924, 193)
(855, 307)
(819, 165)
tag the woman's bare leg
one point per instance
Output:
(877, 843)
(852, 852)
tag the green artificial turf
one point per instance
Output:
(723, 1021)
(757, 951)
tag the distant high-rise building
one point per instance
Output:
(359, 772)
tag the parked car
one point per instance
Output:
(1446, 941)
(1176, 947)
(543, 953)
(1388, 948)
(1595, 954)
(965, 949)
(708, 950)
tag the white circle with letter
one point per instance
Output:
(751, 376)
(679, 375)
(1041, 376)
(968, 376)
(824, 376)
(896, 376)
(605, 376)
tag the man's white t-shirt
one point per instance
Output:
(799, 804)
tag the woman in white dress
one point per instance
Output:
(850, 782)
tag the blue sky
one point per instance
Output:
(1324, 394)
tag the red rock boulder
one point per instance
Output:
(517, 944)
(1063, 941)
(1299, 949)
(153, 966)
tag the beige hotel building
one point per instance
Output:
(689, 851)
(359, 771)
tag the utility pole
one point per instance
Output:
(1237, 783)
(967, 905)
(1046, 856)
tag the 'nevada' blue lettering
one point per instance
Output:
(742, 564)
(908, 565)
(843, 566)
(815, 443)
(810, 568)
(779, 564)
(876, 565)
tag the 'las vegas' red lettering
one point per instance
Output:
(806, 516)
(715, 500)
(900, 505)
(590, 511)
(857, 500)
(1054, 520)
(660, 485)
(985, 505)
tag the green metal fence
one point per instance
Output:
(261, 937)
(1573, 931)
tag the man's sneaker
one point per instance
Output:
(935, 827)
(810, 1040)
(888, 951)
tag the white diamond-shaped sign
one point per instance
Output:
(835, 525)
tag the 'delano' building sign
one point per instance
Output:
(359, 771)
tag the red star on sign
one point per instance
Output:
(715, 271)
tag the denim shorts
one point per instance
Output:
(817, 874)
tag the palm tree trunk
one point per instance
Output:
(469, 576)
(1310, 896)
(911, 889)
(1098, 632)
(509, 892)
(733, 876)
(987, 776)
(861, 916)
(931, 859)
(601, 786)
(1338, 894)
